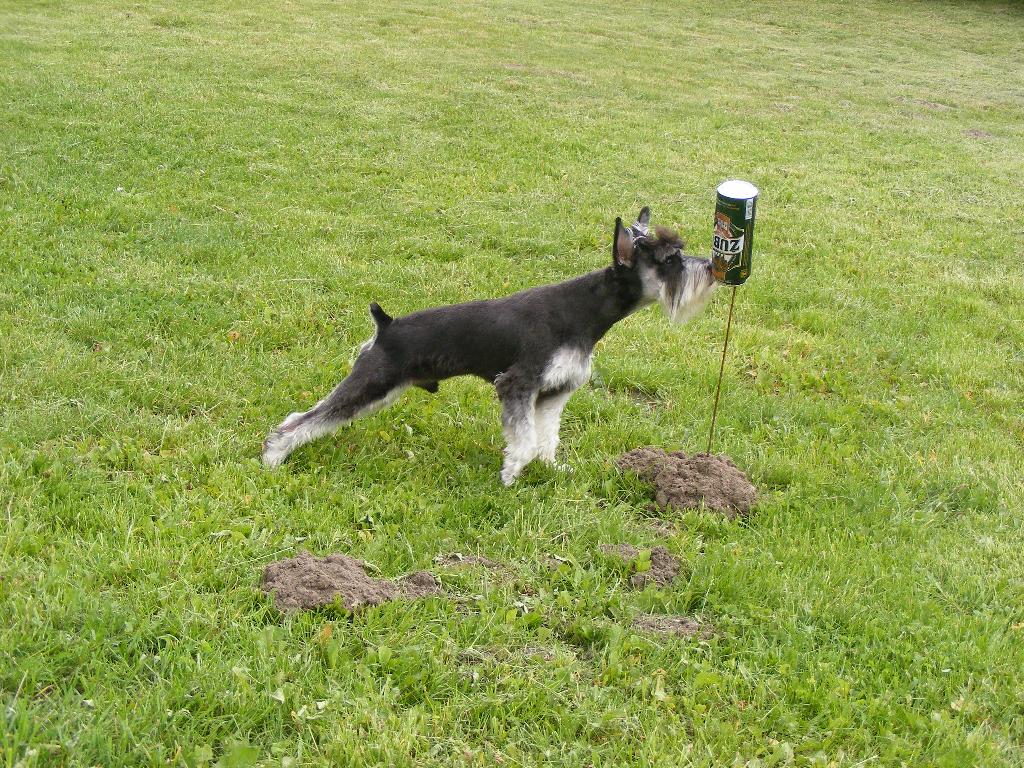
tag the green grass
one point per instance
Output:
(197, 203)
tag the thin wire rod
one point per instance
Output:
(721, 370)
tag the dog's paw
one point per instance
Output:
(273, 459)
(275, 449)
(280, 442)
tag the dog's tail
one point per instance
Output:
(380, 317)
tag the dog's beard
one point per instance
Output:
(688, 294)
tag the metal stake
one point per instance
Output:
(721, 370)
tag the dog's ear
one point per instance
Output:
(380, 317)
(622, 245)
(640, 226)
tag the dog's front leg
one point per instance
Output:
(548, 419)
(518, 400)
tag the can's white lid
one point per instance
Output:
(737, 189)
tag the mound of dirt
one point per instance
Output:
(681, 626)
(685, 482)
(305, 582)
(664, 567)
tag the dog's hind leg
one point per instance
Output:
(368, 388)
(518, 400)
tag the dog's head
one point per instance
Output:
(681, 284)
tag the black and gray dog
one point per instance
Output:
(534, 345)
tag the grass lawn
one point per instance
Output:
(197, 204)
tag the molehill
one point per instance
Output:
(305, 582)
(683, 481)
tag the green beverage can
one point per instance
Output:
(733, 240)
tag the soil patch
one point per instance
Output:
(538, 652)
(457, 559)
(625, 551)
(682, 481)
(681, 626)
(643, 396)
(306, 582)
(471, 656)
(662, 527)
(664, 567)
(977, 133)
(554, 562)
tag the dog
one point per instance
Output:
(535, 346)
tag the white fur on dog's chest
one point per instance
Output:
(568, 368)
